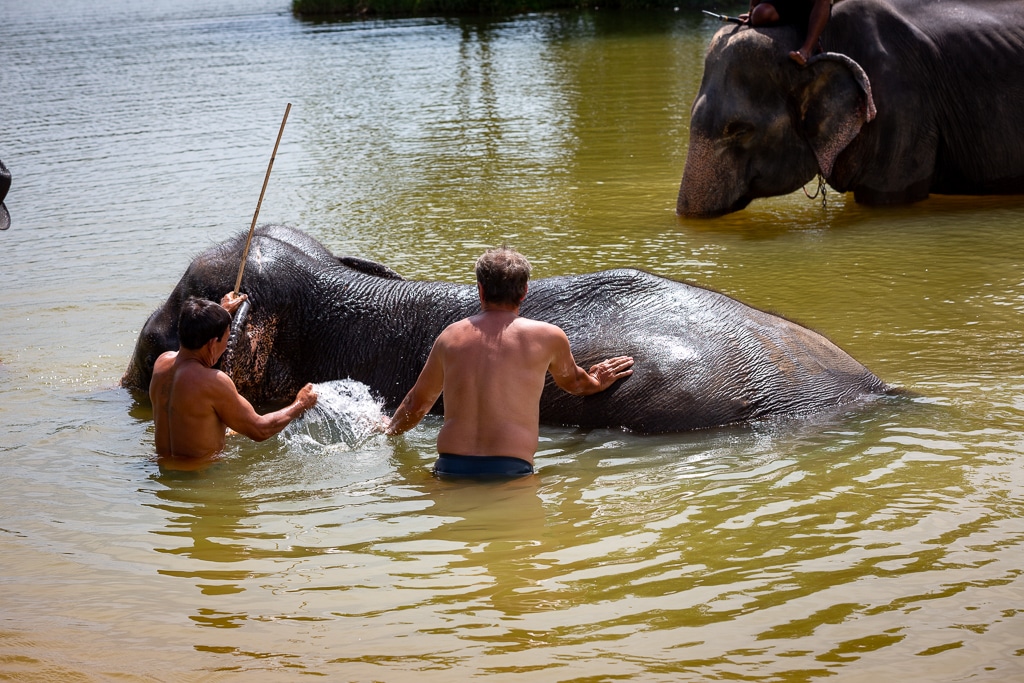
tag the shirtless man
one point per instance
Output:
(193, 404)
(491, 368)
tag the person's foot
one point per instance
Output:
(799, 57)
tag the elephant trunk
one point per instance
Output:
(227, 361)
(708, 188)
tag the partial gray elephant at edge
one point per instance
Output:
(911, 97)
(5, 185)
(702, 358)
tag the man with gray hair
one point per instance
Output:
(491, 368)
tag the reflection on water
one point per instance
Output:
(733, 549)
(880, 541)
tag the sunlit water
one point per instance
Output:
(345, 416)
(882, 542)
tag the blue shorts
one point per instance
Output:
(481, 466)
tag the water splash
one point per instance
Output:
(345, 413)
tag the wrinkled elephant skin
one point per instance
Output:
(702, 358)
(5, 186)
(910, 97)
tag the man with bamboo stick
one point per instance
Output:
(193, 403)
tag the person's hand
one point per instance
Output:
(306, 398)
(383, 424)
(744, 18)
(231, 301)
(610, 371)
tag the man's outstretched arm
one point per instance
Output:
(420, 399)
(239, 415)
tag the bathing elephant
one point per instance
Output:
(5, 185)
(910, 97)
(702, 359)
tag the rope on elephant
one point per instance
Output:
(822, 191)
(346, 415)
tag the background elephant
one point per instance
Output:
(5, 185)
(946, 79)
(702, 359)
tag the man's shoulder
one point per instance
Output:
(164, 363)
(166, 357)
(209, 384)
(203, 375)
(461, 323)
(220, 377)
(455, 329)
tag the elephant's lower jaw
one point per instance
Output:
(687, 207)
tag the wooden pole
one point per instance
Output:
(252, 228)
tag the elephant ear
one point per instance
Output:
(835, 102)
(369, 267)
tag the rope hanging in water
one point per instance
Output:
(822, 190)
(245, 252)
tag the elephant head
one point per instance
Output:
(762, 126)
(5, 185)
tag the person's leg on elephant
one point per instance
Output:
(813, 15)
(821, 11)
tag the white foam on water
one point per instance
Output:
(345, 413)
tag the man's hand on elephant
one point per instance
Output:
(610, 371)
(231, 301)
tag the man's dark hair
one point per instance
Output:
(200, 321)
(503, 273)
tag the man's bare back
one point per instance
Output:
(186, 385)
(491, 368)
(494, 367)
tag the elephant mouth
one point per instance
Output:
(247, 359)
(714, 212)
(740, 204)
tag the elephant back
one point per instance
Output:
(702, 358)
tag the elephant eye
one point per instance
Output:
(737, 131)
